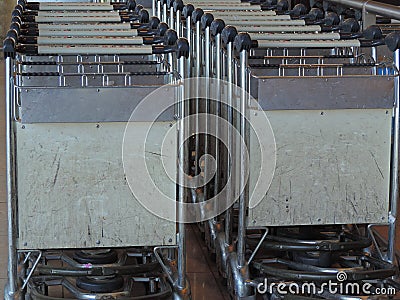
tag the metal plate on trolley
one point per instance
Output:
(281, 93)
(116, 104)
(332, 167)
(72, 190)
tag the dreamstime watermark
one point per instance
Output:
(335, 287)
(150, 149)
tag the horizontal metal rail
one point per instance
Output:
(382, 9)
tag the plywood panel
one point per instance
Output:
(73, 192)
(332, 168)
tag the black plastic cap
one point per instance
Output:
(163, 1)
(144, 16)
(178, 5)
(217, 26)
(228, 34)
(270, 2)
(196, 15)
(350, 25)
(12, 35)
(9, 48)
(206, 20)
(188, 10)
(373, 32)
(282, 5)
(242, 42)
(316, 13)
(20, 8)
(299, 10)
(331, 19)
(392, 40)
(131, 5)
(154, 22)
(182, 48)
(16, 19)
(138, 9)
(318, 4)
(170, 37)
(170, 3)
(16, 13)
(162, 28)
(22, 3)
(15, 27)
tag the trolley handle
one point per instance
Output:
(242, 42)
(188, 10)
(392, 41)
(206, 20)
(9, 44)
(228, 35)
(128, 5)
(170, 45)
(159, 31)
(299, 10)
(150, 27)
(315, 14)
(349, 25)
(196, 15)
(279, 6)
(140, 15)
(178, 5)
(217, 26)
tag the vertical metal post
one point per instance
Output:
(197, 103)
(207, 108)
(243, 198)
(231, 148)
(217, 40)
(171, 18)
(395, 168)
(178, 23)
(164, 18)
(153, 7)
(182, 154)
(12, 287)
(190, 40)
(375, 58)
(159, 10)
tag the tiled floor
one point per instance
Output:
(203, 275)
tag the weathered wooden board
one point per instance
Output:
(72, 190)
(332, 167)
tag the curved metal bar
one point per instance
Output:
(292, 244)
(382, 9)
(311, 273)
(165, 291)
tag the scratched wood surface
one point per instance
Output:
(331, 168)
(73, 192)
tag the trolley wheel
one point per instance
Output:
(321, 259)
(96, 257)
(100, 284)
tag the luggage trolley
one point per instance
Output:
(73, 221)
(313, 196)
(339, 67)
